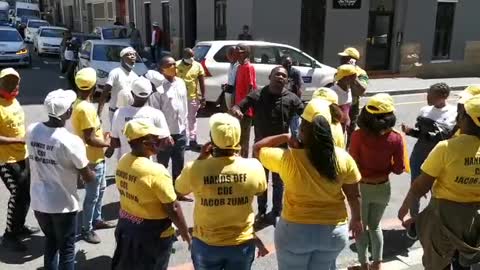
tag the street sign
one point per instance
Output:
(347, 4)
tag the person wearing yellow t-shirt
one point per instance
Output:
(14, 169)
(148, 202)
(86, 124)
(450, 223)
(317, 177)
(224, 184)
(193, 75)
(329, 95)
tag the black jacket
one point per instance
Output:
(273, 113)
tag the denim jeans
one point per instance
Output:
(92, 204)
(419, 154)
(309, 246)
(295, 125)
(59, 230)
(176, 153)
(277, 185)
(206, 257)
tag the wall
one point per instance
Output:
(206, 19)
(465, 27)
(240, 13)
(279, 24)
(345, 28)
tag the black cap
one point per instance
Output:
(243, 48)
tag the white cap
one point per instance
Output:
(59, 101)
(142, 87)
(127, 50)
(155, 24)
(155, 77)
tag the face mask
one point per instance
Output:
(188, 61)
(171, 71)
(9, 95)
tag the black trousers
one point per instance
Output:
(16, 177)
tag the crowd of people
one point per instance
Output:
(317, 157)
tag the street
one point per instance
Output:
(44, 76)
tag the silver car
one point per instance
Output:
(13, 50)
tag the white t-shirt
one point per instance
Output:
(344, 97)
(125, 114)
(124, 98)
(120, 79)
(55, 155)
(445, 116)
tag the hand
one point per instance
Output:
(188, 238)
(293, 142)
(206, 151)
(203, 103)
(402, 212)
(262, 251)
(405, 129)
(235, 111)
(406, 224)
(356, 227)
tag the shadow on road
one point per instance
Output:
(396, 243)
(101, 262)
(109, 213)
(35, 250)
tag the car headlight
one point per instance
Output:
(22, 51)
(102, 73)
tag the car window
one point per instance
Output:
(109, 53)
(264, 55)
(86, 49)
(37, 24)
(54, 33)
(200, 51)
(221, 55)
(114, 33)
(27, 12)
(3, 16)
(10, 36)
(298, 58)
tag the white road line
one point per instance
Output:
(414, 257)
(35, 67)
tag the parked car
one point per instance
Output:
(48, 40)
(264, 57)
(13, 50)
(31, 28)
(112, 32)
(103, 56)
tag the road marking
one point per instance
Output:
(417, 102)
(35, 67)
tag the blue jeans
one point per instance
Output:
(309, 246)
(59, 230)
(419, 154)
(206, 257)
(92, 204)
(176, 153)
(295, 125)
(277, 194)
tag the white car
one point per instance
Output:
(48, 40)
(31, 29)
(117, 32)
(264, 57)
(13, 51)
(103, 56)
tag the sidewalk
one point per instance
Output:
(401, 86)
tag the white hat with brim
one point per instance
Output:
(142, 87)
(155, 77)
(59, 101)
(126, 51)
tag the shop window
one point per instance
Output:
(99, 11)
(220, 19)
(110, 10)
(443, 30)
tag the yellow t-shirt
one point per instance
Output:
(12, 125)
(144, 187)
(338, 135)
(455, 164)
(224, 189)
(310, 198)
(85, 116)
(190, 75)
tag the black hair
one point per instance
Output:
(472, 128)
(441, 88)
(231, 49)
(336, 113)
(164, 60)
(275, 69)
(246, 27)
(376, 123)
(320, 147)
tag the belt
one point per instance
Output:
(112, 109)
(374, 184)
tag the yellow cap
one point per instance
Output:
(352, 52)
(139, 128)
(9, 71)
(468, 93)
(86, 79)
(380, 103)
(345, 71)
(327, 94)
(315, 108)
(472, 107)
(225, 131)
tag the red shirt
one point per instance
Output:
(245, 78)
(377, 156)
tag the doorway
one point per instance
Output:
(148, 24)
(190, 16)
(380, 35)
(166, 25)
(312, 28)
(89, 17)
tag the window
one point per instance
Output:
(200, 51)
(220, 19)
(298, 58)
(221, 55)
(264, 55)
(443, 30)
(9, 35)
(55, 33)
(110, 10)
(109, 53)
(99, 11)
(36, 24)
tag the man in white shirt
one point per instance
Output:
(57, 157)
(171, 99)
(119, 83)
(344, 78)
(141, 91)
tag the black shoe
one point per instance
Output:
(91, 237)
(14, 244)
(28, 230)
(193, 145)
(412, 232)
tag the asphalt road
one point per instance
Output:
(44, 76)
